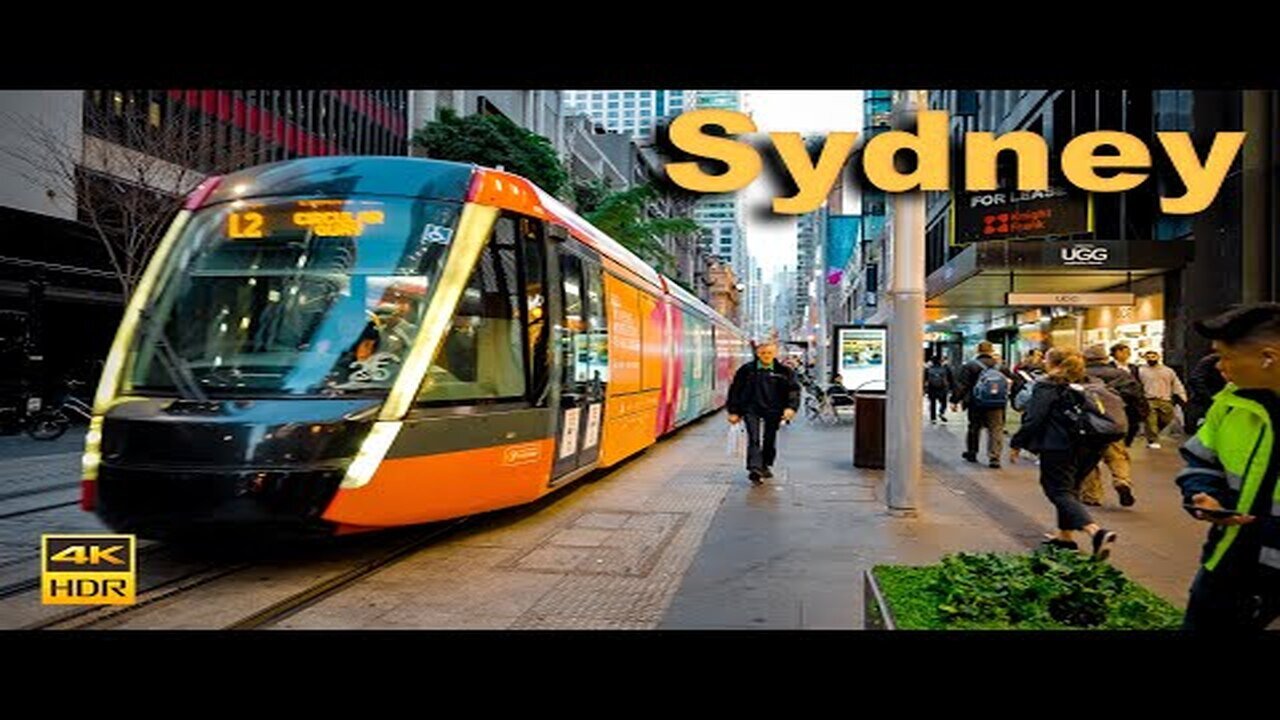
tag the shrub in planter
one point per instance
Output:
(1049, 589)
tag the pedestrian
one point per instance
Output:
(939, 382)
(1163, 389)
(1026, 371)
(764, 393)
(1120, 355)
(983, 390)
(1116, 454)
(1025, 374)
(1138, 417)
(1232, 465)
(1204, 382)
(1066, 456)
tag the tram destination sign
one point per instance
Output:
(1069, 299)
(1019, 214)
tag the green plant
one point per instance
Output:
(1048, 589)
(621, 215)
(493, 140)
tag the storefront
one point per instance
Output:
(1140, 326)
(1028, 294)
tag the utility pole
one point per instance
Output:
(904, 416)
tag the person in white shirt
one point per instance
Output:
(1163, 389)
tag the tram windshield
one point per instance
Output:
(307, 297)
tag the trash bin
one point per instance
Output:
(868, 428)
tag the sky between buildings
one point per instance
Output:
(771, 238)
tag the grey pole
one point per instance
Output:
(904, 415)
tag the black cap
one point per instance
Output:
(1242, 322)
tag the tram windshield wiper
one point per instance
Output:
(179, 371)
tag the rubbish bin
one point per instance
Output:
(868, 428)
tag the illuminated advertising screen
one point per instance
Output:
(860, 356)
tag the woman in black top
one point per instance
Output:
(1065, 457)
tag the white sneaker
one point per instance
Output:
(1154, 446)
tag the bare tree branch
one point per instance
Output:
(127, 173)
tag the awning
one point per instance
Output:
(980, 277)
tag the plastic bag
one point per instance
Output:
(736, 441)
(1178, 428)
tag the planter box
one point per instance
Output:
(876, 614)
(1019, 592)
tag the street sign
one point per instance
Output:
(1019, 214)
(1069, 299)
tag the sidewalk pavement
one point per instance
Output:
(790, 553)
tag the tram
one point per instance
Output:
(332, 345)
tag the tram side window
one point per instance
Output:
(598, 339)
(577, 364)
(482, 356)
(535, 282)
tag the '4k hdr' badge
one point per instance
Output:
(88, 569)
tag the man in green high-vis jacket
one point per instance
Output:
(1232, 464)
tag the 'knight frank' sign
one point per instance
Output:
(1019, 214)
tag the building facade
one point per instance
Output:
(631, 112)
(539, 111)
(1169, 269)
(120, 160)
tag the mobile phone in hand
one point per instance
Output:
(1216, 513)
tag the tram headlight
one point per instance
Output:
(92, 450)
(372, 451)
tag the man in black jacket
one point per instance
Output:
(1120, 354)
(1204, 382)
(764, 393)
(1115, 455)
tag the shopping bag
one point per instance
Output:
(1178, 428)
(736, 440)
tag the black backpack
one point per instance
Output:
(1096, 413)
(937, 377)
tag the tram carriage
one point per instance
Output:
(341, 344)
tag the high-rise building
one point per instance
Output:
(810, 235)
(720, 215)
(538, 111)
(634, 112)
(721, 232)
(722, 99)
(783, 299)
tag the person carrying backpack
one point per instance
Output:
(1115, 455)
(1031, 367)
(1070, 419)
(938, 384)
(983, 390)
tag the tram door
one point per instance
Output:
(583, 362)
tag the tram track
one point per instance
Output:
(303, 599)
(38, 490)
(34, 510)
(175, 588)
